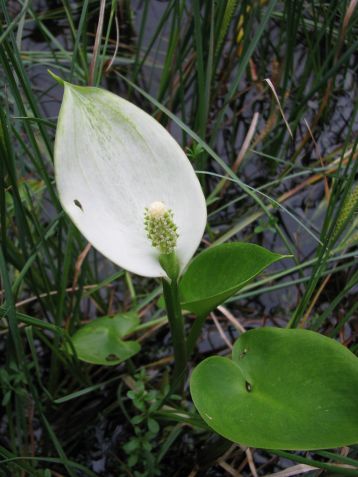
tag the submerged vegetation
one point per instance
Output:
(261, 95)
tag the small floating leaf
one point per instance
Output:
(101, 340)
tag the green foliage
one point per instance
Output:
(141, 447)
(347, 212)
(100, 341)
(219, 272)
(283, 389)
(12, 383)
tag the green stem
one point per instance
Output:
(176, 323)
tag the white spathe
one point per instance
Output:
(112, 160)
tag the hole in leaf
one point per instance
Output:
(248, 387)
(78, 204)
(112, 357)
(243, 353)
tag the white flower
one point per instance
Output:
(113, 162)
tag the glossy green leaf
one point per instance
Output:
(101, 340)
(283, 389)
(219, 272)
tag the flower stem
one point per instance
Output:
(176, 322)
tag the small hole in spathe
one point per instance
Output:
(78, 204)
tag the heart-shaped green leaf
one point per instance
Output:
(100, 341)
(219, 272)
(283, 389)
